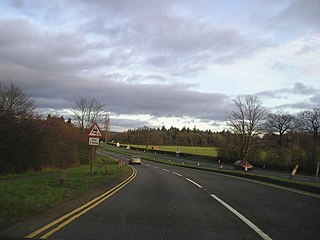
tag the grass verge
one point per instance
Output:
(25, 195)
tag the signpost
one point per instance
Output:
(95, 131)
(317, 172)
(94, 139)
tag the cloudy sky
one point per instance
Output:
(169, 62)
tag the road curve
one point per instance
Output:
(168, 202)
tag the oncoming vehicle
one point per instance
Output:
(134, 160)
(242, 165)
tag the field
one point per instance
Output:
(204, 151)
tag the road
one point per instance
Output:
(168, 202)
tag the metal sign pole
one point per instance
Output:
(317, 172)
(91, 161)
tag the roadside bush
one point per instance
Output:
(36, 144)
(20, 145)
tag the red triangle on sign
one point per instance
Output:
(95, 131)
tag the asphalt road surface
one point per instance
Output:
(168, 202)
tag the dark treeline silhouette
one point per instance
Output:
(171, 136)
(29, 142)
(32, 144)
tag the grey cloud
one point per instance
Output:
(177, 44)
(302, 13)
(53, 103)
(315, 100)
(11, 36)
(128, 123)
(300, 105)
(287, 18)
(298, 88)
(168, 43)
(268, 94)
(123, 98)
(280, 66)
(36, 51)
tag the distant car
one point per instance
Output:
(134, 160)
(242, 165)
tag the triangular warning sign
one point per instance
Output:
(95, 131)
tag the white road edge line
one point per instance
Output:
(177, 174)
(198, 185)
(243, 218)
(166, 170)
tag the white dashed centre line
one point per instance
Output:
(198, 185)
(148, 165)
(155, 167)
(243, 218)
(166, 170)
(177, 174)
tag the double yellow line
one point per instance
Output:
(49, 229)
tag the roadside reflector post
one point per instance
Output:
(221, 166)
(294, 171)
(245, 168)
(317, 172)
(63, 175)
(198, 163)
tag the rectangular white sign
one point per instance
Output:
(93, 141)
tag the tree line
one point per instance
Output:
(277, 140)
(31, 142)
(171, 136)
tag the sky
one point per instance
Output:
(162, 63)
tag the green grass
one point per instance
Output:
(204, 151)
(24, 195)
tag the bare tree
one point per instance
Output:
(245, 121)
(310, 122)
(14, 102)
(86, 112)
(280, 123)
